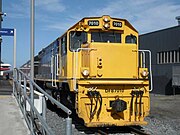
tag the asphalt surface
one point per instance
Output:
(164, 118)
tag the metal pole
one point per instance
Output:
(0, 28)
(68, 126)
(32, 40)
(32, 62)
(32, 50)
(44, 107)
(44, 111)
(14, 60)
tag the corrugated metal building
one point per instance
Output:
(165, 47)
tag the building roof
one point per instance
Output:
(162, 30)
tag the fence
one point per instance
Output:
(24, 91)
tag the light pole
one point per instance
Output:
(1, 19)
(32, 40)
(32, 57)
(0, 28)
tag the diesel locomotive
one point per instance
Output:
(96, 68)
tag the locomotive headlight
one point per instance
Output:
(144, 73)
(106, 19)
(85, 72)
(106, 25)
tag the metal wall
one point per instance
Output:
(160, 41)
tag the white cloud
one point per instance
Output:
(63, 26)
(21, 9)
(51, 5)
(157, 17)
(145, 15)
(18, 10)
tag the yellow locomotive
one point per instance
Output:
(97, 69)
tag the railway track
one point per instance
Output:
(79, 128)
(128, 130)
(124, 131)
(137, 131)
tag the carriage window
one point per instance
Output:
(110, 37)
(64, 45)
(131, 39)
(76, 39)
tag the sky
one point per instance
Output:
(54, 17)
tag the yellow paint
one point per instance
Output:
(110, 93)
(114, 73)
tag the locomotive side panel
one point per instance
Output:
(47, 61)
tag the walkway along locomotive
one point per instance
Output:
(95, 67)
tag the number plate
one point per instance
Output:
(93, 23)
(117, 24)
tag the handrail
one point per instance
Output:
(76, 66)
(22, 97)
(52, 70)
(49, 97)
(150, 66)
(57, 64)
(55, 71)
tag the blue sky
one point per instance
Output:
(54, 17)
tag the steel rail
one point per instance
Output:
(137, 131)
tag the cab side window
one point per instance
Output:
(131, 39)
(64, 45)
(76, 39)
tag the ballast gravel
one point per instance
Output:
(164, 118)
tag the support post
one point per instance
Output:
(14, 61)
(0, 28)
(32, 40)
(44, 106)
(68, 126)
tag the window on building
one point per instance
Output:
(178, 56)
(168, 57)
(158, 58)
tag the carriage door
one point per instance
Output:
(54, 63)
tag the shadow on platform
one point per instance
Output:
(5, 87)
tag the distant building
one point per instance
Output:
(4, 67)
(165, 47)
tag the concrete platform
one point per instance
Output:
(11, 118)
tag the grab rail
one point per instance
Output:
(76, 65)
(150, 65)
(20, 81)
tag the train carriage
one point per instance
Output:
(97, 69)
